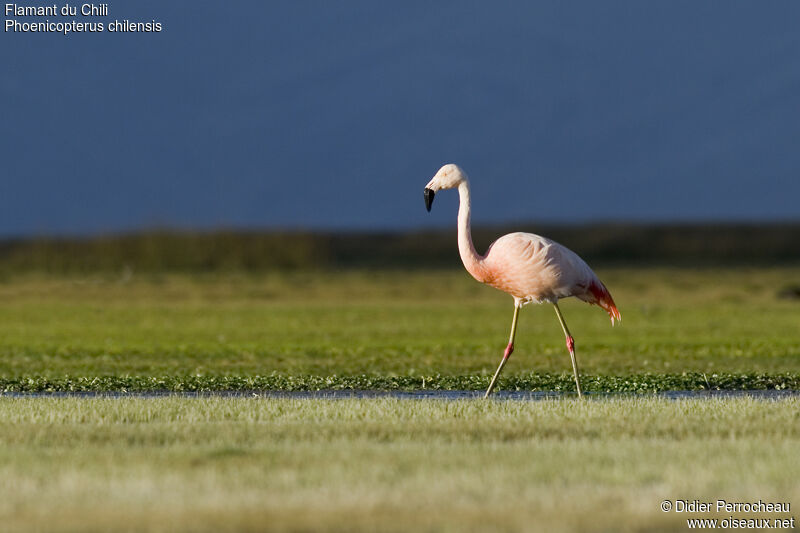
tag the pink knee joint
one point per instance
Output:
(509, 349)
(570, 344)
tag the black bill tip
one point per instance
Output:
(429, 194)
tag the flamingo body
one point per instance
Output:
(535, 269)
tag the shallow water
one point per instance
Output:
(413, 395)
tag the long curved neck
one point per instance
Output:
(472, 261)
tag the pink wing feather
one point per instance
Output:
(536, 269)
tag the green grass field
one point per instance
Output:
(389, 325)
(178, 464)
(239, 464)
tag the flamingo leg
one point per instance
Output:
(509, 349)
(571, 348)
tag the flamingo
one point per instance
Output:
(530, 268)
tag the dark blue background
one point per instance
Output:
(336, 114)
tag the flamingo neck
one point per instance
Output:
(472, 261)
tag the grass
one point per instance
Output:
(213, 464)
(392, 329)
(637, 383)
(250, 464)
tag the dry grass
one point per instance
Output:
(176, 464)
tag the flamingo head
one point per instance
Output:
(449, 176)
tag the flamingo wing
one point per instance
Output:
(536, 269)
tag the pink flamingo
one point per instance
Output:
(528, 267)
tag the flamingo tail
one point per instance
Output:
(599, 295)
